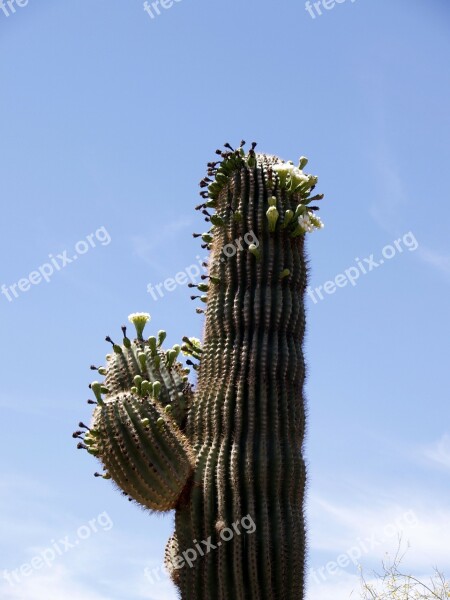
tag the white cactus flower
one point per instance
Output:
(308, 222)
(139, 320)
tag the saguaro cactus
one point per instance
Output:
(232, 448)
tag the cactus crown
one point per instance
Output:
(280, 176)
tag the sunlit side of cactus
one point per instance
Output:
(233, 448)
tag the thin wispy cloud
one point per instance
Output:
(344, 586)
(386, 211)
(362, 535)
(337, 526)
(375, 527)
(55, 584)
(438, 261)
(148, 248)
(392, 197)
(438, 453)
(35, 524)
(92, 570)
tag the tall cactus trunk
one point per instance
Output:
(248, 422)
(236, 444)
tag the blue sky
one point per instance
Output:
(108, 118)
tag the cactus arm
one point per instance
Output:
(136, 430)
(141, 449)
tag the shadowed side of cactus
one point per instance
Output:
(238, 441)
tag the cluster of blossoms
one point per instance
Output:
(293, 179)
(308, 222)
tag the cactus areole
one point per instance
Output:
(228, 452)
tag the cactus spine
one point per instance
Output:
(233, 449)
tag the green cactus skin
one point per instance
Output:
(129, 428)
(235, 447)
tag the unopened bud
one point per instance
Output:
(272, 216)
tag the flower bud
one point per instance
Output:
(272, 216)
